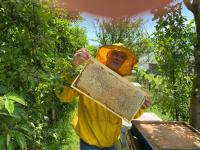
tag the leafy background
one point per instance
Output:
(36, 46)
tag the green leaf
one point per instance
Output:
(3, 89)
(16, 98)
(11, 146)
(1, 103)
(8, 140)
(9, 105)
(2, 142)
(21, 140)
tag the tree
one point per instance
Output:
(125, 30)
(173, 40)
(36, 45)
(194, 7)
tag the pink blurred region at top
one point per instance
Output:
(113, 8)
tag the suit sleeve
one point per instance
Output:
(67, 94)
(139, 113)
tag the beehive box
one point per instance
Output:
(158, 135)
(109, 89)
(132, 141)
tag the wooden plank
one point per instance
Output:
(166, 135)
(109, 89)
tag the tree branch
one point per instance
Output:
(188, 5)
(195, 5)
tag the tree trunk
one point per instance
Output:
(194, 7)
(195, 99)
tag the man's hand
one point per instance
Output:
(80, 56)
(147, 102)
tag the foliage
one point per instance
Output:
(173, 41)
(125, 30)
(36, 45)
(92, 49)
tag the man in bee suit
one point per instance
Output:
(97, 127)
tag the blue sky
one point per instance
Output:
(88, 23)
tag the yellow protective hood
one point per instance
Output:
(127, 66)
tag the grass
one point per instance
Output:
(72, 140)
